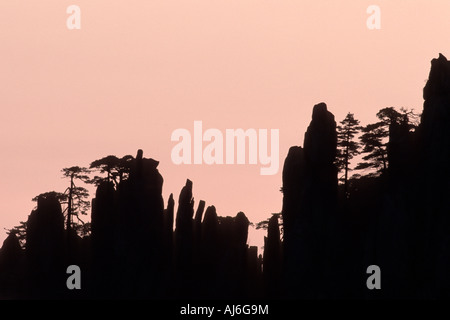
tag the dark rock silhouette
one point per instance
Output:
(197, 245)
(294, 174)
(232, 266)
(434, 170)
(210, 253)
(104, 238)
(310, 195)
(11, 268)
(128, 231)
(199, 212)
(241, 223)
(254, 275)
(198, 226)
(168, 238)
(184, 240)
(272, 259)
(45, 252)
(395, 241)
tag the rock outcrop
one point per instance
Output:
(45, 253)
(310, 191)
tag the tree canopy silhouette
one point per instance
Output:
(347, 148)
(76, 198)
(117, 169)
(375, 138)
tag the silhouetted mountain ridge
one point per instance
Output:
(397, 219)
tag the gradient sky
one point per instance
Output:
(139, 69)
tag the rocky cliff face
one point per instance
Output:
(435, 129)
(321, 138)
(309, 203)
(128, 235)
(11, 268)
(309, 173)
(45, 248)
(413, 232)
(434, 173)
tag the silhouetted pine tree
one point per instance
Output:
(347, 148)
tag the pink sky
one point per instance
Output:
(137, 70)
